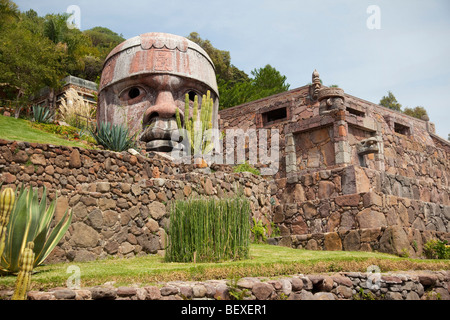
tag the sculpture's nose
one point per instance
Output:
(164, 107)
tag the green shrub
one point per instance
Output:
(67, 132)
(209, 230)
(246, 167)
(436, 249)
(259, 231)
(42, 114)
(113, 137)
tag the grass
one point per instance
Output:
(265, 261)
(207, 230)
(21, 130)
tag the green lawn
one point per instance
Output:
(21, 130)
(266, 260)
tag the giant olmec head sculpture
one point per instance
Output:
(145, 79)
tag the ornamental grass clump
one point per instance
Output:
(209, 230)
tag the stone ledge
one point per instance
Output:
(407, 285)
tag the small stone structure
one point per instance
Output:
(84, 88)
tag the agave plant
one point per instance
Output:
(30, 221)
(42, 114)
(113, 137)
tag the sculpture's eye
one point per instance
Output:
(134, 92)
(132, 95)
(192, 95)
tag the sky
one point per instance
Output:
(367, 48)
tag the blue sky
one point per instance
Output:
(409, 54)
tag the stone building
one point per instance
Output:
(85, 89)
(353, 175)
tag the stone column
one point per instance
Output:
(291, 159)
(332, 102)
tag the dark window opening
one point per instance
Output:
(401, 129)
(356, 112)
(275, 115)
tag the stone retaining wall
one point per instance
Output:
(424, 285)
(402, 241)
(120, 201)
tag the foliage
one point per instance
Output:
(209, 230)
(24, 130)
(235, 86)
(67, 132)
(30, 222)
(28, 61)
(361, 295)
(74, 110)
(235, 292)
(259, 231)
(221, 59)
(8, 12)
(42, 114)
(113, 137)
(437, 249)
(417, 112)
(246, 167)
(266, 81)
(390, 102)
(197, 127)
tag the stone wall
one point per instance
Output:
(412, 151)
(423, 285)
(355, 208)
(120, 201)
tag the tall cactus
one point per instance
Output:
(7, 198)
(24, 277)
(198, 125)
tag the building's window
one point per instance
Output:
(356, 112)
(401, 129)
(274, 116)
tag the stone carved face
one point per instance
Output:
(144, 81)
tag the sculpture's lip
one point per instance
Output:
(162, 135)
(161, 129)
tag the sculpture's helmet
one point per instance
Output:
(158, 53)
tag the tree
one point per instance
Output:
(417, 112)
(28, 62)
(267, 81)
(221, 59)
(390, 102)
(8, 12)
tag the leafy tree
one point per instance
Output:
(235, 86)
(8, 12)
(103, 39)
(267, 81)
(221, 59)
(390, 102)
(28, 62)
(417, 112)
